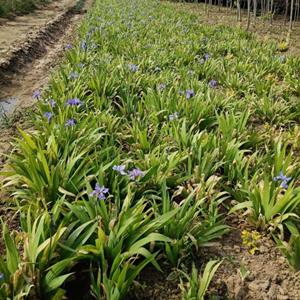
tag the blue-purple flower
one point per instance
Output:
(48, 115)
(99, 192)
(120, 169)
(284, 180)
(173, 116)
(69, 46)
(71, 122)
(189, 94)
(282, 59)
(74, 75)
(162, 86)
(206, 57)
(213, 84)
(133, 67)
(52, 103)
(83, 45)
(36, 94)
(73, 102)
(133, 174)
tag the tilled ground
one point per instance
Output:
(29, 62)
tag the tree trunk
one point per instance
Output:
(291, 16)
(296, 16)
(248, 13)
(271, 12)
(286, 11)
(239, 17)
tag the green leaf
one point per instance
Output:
(12, 254)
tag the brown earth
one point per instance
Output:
(264, 275)
(27, 63)
(16, 29)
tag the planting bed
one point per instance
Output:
(161, 163)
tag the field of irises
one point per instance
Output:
(153, 133)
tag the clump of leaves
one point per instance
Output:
(251, 240)
(196, 284)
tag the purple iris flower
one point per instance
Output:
(83, 45)
(189, 94)
(69, 46)
(133, 174)
(173, 116)
(162, 86)
(48, 115)
(133, 67)
(284, 180)
(52, 103)
(73, 102)
(213, 84)
(99, 192)
(206, 56)
(36, 94)
(120, 169)
(74, 75)
(282, 59)
(71, 122)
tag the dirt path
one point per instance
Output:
(16, 30)
(40, 50)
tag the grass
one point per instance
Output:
(154, 129)
(8, 7)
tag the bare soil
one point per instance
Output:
(268, 275)
(16, 29)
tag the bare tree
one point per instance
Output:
(271, 11)
(248, 13)
(239, 16)
(286, 11)
(254, 8)
(291, 17)
(296, 16)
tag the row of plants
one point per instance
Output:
(9, 7)
(154, 129)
